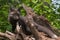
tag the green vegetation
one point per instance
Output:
(41, 7)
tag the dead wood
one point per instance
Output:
(8, 35)
(31, 24)
(41, 22)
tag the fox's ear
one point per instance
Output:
(11, 9)
(19, 8)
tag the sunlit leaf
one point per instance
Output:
(34, 1)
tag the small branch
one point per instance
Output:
(7, 36)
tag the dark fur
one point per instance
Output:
(13, 17)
